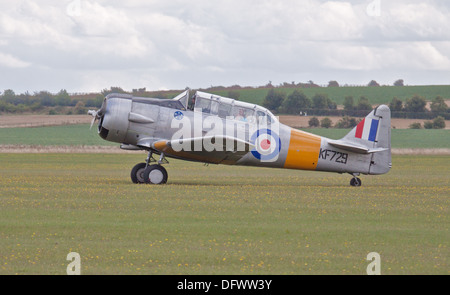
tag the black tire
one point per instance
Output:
(355, 182)
(137, 173)
(155, 174)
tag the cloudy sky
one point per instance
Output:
(86, 46)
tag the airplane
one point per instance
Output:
(218, 130)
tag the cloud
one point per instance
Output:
(173, 44)
(417, 21)
(10, 61)
(401, 56)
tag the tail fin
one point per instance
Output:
(371, 136)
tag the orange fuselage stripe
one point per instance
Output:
(303, 152)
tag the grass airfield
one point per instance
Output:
(219, 219)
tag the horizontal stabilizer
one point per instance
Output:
(353, 147)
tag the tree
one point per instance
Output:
(9, 96)
(62, 98)
(416, 104)
(346, 122)
(396, 105)
(415, 125)
(95, 102)
(323, 102)
(295, 102)
(47, 99)
(363, 104)
(428, 124)
(331, 104)
(320, 102)
(399, 82)
(333, 84)
(326, 123)
(274, 99)
(348, 103)
(304, 101)
(313, 122)
(79, 108)
(112, 89)
(439, 123)
(438, 105)
(373, 83)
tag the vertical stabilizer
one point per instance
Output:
(374, 132)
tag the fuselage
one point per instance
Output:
(150, 123)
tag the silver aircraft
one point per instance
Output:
(219, 130)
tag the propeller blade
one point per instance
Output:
(92, 123)
(97, 114)
(94, 115)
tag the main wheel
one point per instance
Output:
(155, 174)
(355, 182)
(137, 173)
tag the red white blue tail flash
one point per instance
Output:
(367, 129)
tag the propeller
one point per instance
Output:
(97, 114)
(94, 114)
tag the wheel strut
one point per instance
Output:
(149, 159)
(162, 159)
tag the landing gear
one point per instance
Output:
(155, 174)
(137, 173)
(355, 180)
(150, 174)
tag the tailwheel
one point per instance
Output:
(155, 174)
(137, 173)
(355, 182)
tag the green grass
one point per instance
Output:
(75, 135)
(219, 219)
(71, 135)
(376, 95)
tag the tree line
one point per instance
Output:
(276, 100)
(348, 122)
(62, 102)
(10, 102)
(298, 103)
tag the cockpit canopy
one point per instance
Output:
(207, 103)
(231, 109)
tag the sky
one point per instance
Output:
(87, 46)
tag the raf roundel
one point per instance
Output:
(178, 115)
(267, 145)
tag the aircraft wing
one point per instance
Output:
(209, 149)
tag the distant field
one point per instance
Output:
(400, 138)
(53, 135)
(220, 219)
(76, 135)
(376, 95)
(34, 120)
